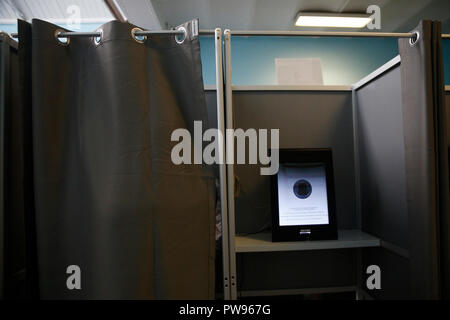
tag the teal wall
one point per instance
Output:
(344, 60)
(446, 55)
(208, 54)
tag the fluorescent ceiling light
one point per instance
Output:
(336, 20)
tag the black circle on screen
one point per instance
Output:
(302, 189)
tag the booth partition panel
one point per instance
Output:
(381, 154)
(402, 155)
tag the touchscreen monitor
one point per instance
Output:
(303, 196)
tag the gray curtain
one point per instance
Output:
(426, 162)
(12, 214)
(107, 196)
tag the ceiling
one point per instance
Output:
(56, 11)
(140, 12)
(396, 15)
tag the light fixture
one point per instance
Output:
(334, 20)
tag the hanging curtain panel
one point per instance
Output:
(12, 210)
(426, 161)
(110, 205)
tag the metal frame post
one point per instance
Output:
(222, 168)
(230, 166)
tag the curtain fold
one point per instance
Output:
(108, 198)
(426, 161)
(440, 116)
(12, 218)
(25, 102)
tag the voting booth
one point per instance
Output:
(385, 174)
(388, 140)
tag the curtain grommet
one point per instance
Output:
(414, 39)
(98, 40)
(139, 39)
(183, 36)
(59, 40)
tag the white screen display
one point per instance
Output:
(302, 195)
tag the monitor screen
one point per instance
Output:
(302, 195)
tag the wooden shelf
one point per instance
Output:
(262, 242)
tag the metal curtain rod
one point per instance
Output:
(256, 33)
(325, 34)
(137, 33)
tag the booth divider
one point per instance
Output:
(380, 152)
